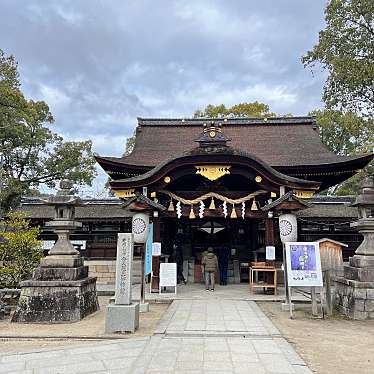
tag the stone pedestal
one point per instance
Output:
(354, 294)
(122, 318)
(56, 293)
(353, 298)
(56, 301)
(123, 315)
(144, 307)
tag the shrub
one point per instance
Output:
(21, 251)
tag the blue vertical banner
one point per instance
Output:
(148, 251)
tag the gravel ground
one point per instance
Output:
(334, 345)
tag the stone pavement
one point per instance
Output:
(215, 317)
(215, 335)
(197, 291)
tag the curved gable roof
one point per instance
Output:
(191, 158)
(282, 141)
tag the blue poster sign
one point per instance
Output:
(303, 264)
(148, 251)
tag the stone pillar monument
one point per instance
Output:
(123, 315)
(355, 291)
(60, 289)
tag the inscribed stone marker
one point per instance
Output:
(125, 245)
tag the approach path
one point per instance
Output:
(216, 335)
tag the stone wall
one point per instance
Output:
(105, 270)
(354, 299)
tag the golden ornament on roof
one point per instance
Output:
(125, 194)
(212, 172)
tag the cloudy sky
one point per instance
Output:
(100, 64)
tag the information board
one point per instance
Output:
(168, 275)
(156, 249)
(303, 264)
(270, 252)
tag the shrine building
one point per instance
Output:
(224, 181)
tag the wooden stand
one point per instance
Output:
(266, 269)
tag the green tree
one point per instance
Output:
(30, 152)
(254, 109)
(346, 50)
(21, 252)
(346, 134)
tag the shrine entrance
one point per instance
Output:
(244, 239)
(213, 196)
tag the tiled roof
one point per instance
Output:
(236, 121)
(329, 211)
(278, 141)
(100, 209)
(103, 209)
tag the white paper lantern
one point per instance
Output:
(140, 223)
(288, 228)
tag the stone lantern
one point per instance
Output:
(60, 289)
(355, 291)
(365, 225)
(63, 253)
(364, 255)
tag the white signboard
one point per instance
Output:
(303, 264)
(156, 249)
(270, 252)
(168, 275)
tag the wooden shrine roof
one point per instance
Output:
(322, 207)
(291, 141)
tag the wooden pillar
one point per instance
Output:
(269, 231)
(156, 259)
(270, 240)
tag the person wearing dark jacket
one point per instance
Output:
(210, 263)
(178, 258)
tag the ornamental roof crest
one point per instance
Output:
(212, 136)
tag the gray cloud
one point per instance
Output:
(100, 64)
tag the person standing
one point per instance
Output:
(203, 254)
(178, 258)
(223, 261)
(210, 263)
